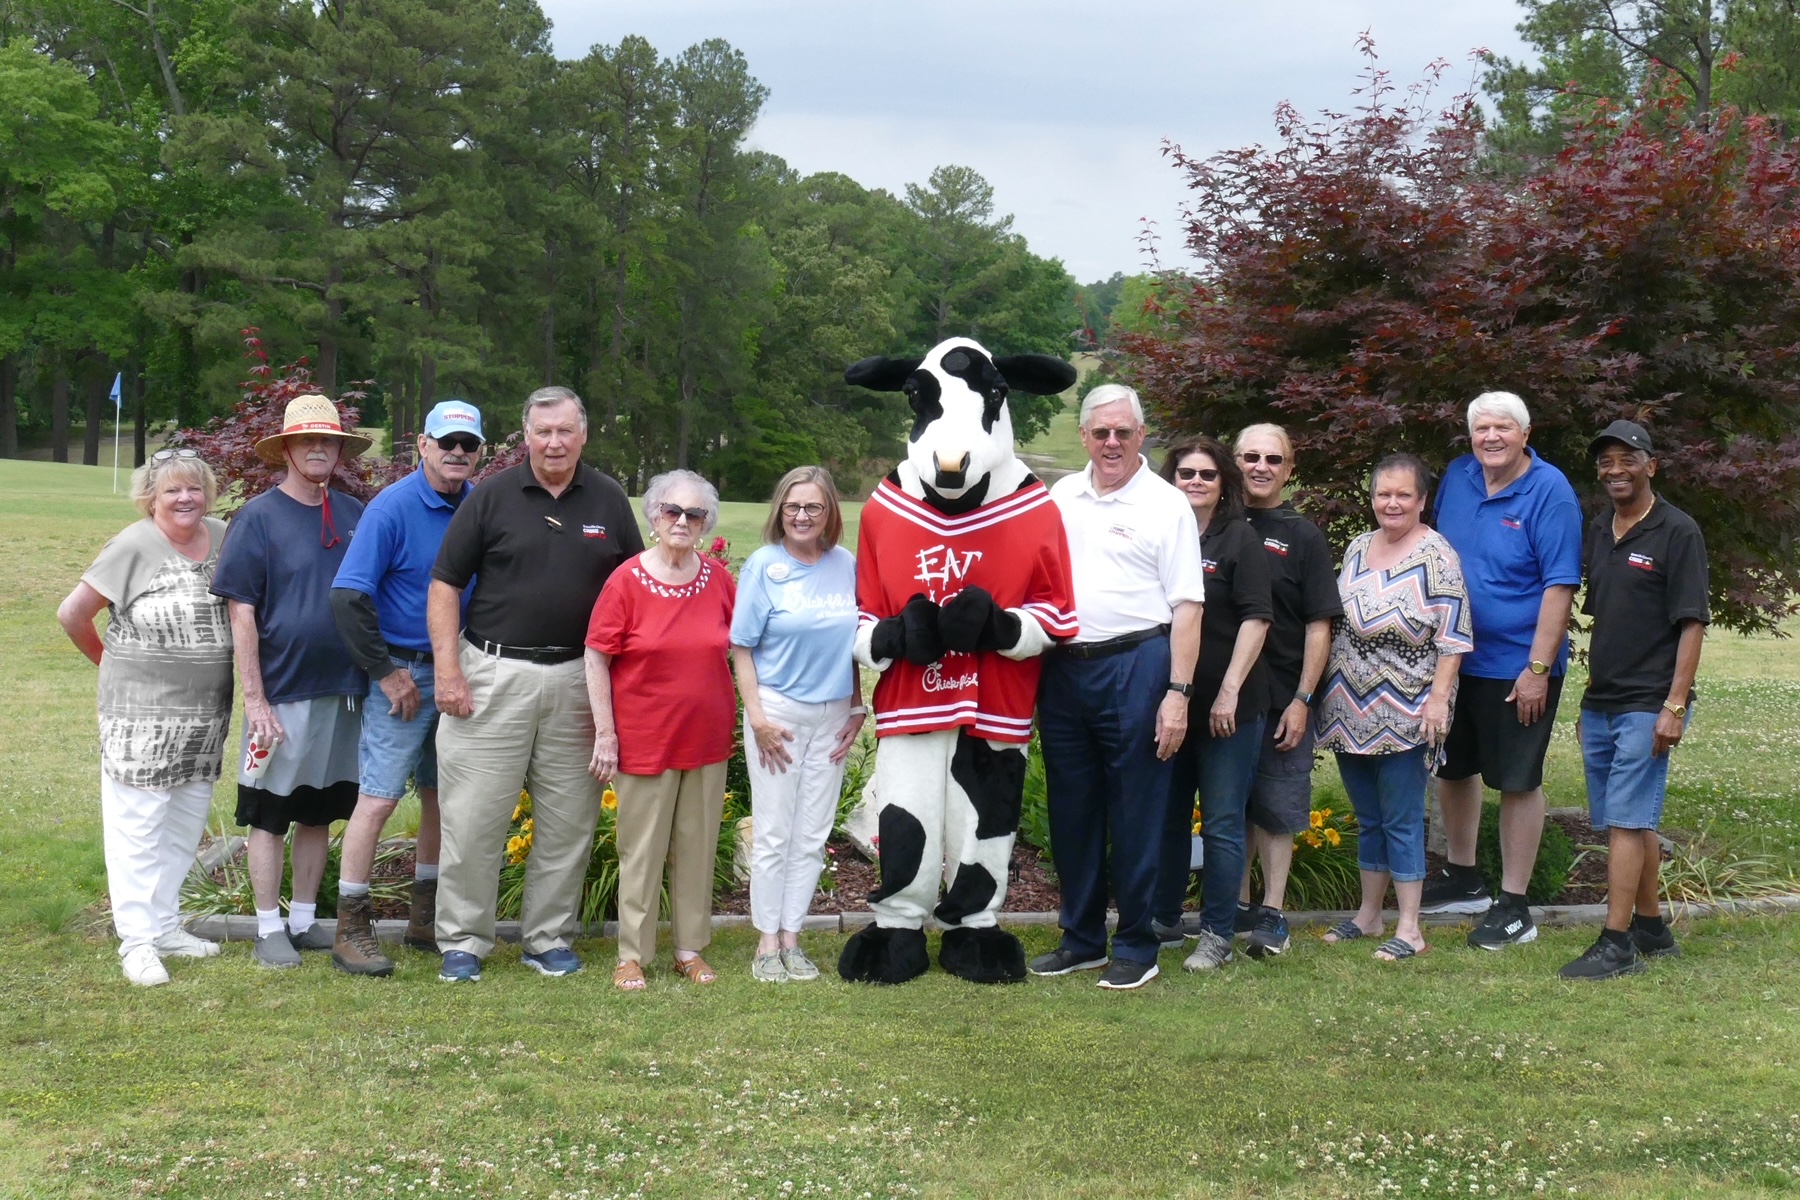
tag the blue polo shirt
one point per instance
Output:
(1513, 545)
(391, 557)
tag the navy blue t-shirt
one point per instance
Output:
(274, 559)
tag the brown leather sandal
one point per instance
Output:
(695, 970)
(628, 976)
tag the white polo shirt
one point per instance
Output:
(1133, 553)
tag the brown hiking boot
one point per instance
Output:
(421, 921)
(356, 951)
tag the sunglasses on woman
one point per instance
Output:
(1205, 474)
(672, 513)
(1252, 457)
(163, 456)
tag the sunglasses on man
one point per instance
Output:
(1251, 458)
(468, 443)
(1102, 434)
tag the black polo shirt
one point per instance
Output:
(1237, 590)
(538, 561)
(1303, 585)
(1639, 591)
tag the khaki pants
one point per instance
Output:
(670, 818)
(532, 728)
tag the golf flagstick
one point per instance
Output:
(118, 400)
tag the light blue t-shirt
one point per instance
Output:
(800, 622)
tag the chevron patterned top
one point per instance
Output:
(1397, 622)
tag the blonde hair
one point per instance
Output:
(1265, 430)
(145, 479)
(820, 478)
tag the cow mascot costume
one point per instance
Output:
(962, 578)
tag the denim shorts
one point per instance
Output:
(393, 749)
(1625, 782)
(1281, 795)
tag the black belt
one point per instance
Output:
(1111, 646)
(547, 656)
(411, 656)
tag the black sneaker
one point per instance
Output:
(1124, 975)
(1245, 920)
(1654, 945)
(1504, 926)
(1063, 962)
(1455, 890)
(1606, 959)
(1270, 937)
(1168, 935)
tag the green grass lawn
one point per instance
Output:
(1323, 1074)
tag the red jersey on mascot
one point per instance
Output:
(962, 576)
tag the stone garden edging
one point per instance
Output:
(243, 928)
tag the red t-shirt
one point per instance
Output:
(1016, 549)
(673, 702)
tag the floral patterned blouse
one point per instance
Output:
(1397, 622)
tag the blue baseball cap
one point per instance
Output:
(453, 416)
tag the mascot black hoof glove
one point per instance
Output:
(962, 576)
(877, 955)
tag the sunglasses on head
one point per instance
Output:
(468, 443)
(163, 456)
(1205, 474)
(673, 512)
(1252, 457)
(1102, 434)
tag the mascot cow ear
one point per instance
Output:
(882, 374)
(1039, 374)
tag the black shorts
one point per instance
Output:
(1487, 739)
(271, 813)
(1281, 795)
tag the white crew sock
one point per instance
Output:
(268, 921)
(424, 872)
(300, 917)
(346, 888)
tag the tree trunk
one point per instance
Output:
(140, 434)
(621, 280)
(403, 447)
(550, 314)
(326, 376)
(59, 413)
(9, 407)
(99, 396)
(427, 385)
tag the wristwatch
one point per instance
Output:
(1680, 710)
(1538, 668)
(1186, 689)
(1304, 698)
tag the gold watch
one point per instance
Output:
(1538, 668)
(1680, 710)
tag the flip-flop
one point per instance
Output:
(1398, 949)
(1346, 930)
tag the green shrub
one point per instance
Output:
(1556, 858)
(1034, 810)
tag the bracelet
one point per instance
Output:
(859, 711)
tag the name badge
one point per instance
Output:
(779, 571)
(594, 531)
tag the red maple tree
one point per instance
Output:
(1366, 277)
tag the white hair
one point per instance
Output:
(661, 485)
(1499, 404)
(549, 397)
(1111, 393)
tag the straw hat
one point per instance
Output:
(309, 414)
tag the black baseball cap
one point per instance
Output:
(1629, 432)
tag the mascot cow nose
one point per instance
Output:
(951, 468)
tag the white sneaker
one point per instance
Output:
(143, 968)
(179, 943)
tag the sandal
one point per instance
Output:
(1398, 949)
(1346, 930)
(694, 970)
(628, 976)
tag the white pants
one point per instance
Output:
(792, 810)
(150, 836)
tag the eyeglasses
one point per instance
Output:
(1252, 457)
(468, 443)
(1124, 433)
(163, 456)
(672, 513)
(814, 509)
(1206, 474)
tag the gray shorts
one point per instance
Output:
(1281, 795)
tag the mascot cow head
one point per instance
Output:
(962, 431)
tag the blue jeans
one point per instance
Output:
(1097, 719)
(1222, 770)
(392, 749)
(1626, 783)
(1388, 793)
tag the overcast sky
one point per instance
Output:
(1062, 106)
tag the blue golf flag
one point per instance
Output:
(118, 392)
